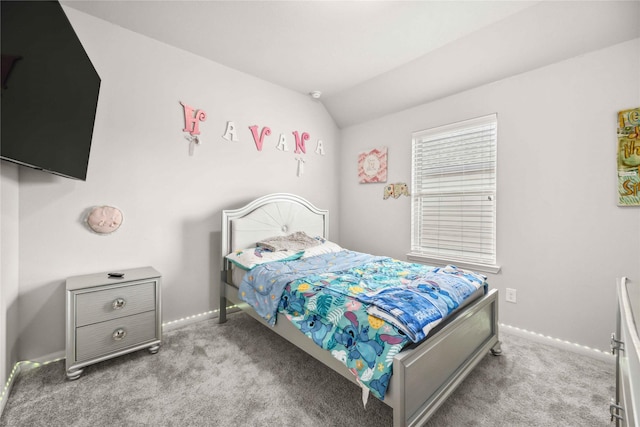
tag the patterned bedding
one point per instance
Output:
(363, 309)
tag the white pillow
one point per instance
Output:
(251, 257)
(325, 247)
(297, 241)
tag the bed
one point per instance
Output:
(424, 373)
(625, 344)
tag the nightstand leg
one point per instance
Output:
(154, 349)
(74, 375)
(496, 350)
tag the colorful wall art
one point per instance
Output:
(372, 165)
(395, 190)
(629, 157)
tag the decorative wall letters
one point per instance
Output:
(259, 139)
(192, 118)
(300, 140)
(282, 143)
(300, 166)
(230, 132)
(191, 124)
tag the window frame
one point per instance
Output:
(420, 253)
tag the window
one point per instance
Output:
(453, 204)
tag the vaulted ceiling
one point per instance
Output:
(370, 58)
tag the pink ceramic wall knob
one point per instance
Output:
(104, 219)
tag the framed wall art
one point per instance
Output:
(372, 165)
(629, 157)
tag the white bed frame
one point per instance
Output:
(424, 375)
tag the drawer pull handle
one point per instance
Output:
(119, 334)
(118, 303)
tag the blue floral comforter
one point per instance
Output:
(363, 309)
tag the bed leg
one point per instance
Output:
(496, 350)
(222, 313)
(222, 309)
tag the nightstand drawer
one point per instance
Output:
(107, 304)
(107, 337)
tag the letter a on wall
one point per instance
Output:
(230, 132)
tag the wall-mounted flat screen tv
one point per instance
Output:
(49, 90)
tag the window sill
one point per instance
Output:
(431, 260)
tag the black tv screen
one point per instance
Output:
(49, 90)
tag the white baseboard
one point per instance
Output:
(178, 323)
(556, 342)
(43, 360)
(213, 314)
(24, 366)
(7, 387)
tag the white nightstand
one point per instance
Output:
(111, 316)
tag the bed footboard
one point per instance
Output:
(424, 376)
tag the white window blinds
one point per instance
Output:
(454, 192)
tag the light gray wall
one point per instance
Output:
(562, 240)
(140, 163)
(9, 245)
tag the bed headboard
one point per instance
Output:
(276, 214)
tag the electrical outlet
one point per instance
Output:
(510, 295)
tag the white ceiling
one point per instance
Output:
(370, 58)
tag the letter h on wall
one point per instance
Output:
(191, 125)
(191, 119)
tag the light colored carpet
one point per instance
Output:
(242, 374)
